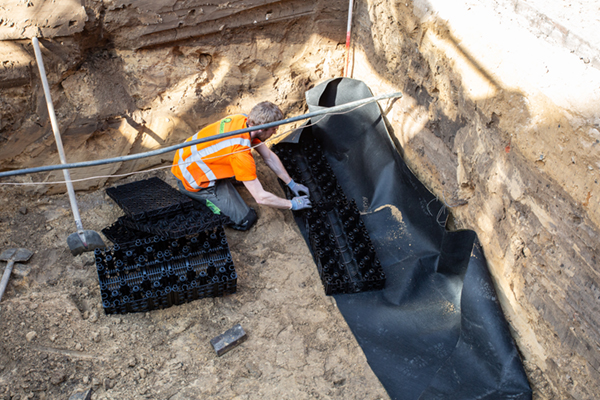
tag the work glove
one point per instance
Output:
(297, 188)
(300, 203)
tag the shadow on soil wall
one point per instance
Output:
(115, 97)
(482, 158)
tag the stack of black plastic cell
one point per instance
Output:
(338, 238)
(168, 250)
(158, 272)
(153, 207)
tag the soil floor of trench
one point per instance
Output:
(57, 340)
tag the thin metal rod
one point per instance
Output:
(5, 277)
(56, 131)
(83, 164)
(348, 35)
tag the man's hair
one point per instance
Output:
(263, 113)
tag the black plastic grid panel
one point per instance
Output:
(119, 233)
(159, 272)
(149, 198)
(340, 243)
(182, 224)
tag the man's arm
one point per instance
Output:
(266, 198)
(273, 162)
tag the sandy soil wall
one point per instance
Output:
(133, 76)
(499, 119)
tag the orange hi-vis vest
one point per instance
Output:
(200, 166)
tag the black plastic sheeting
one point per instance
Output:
(437, 330)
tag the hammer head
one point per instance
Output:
(16, 255)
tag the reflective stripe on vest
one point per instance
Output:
(198, 155)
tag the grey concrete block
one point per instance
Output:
(228, 340)
(81, 395)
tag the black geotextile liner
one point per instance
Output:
(437, 330)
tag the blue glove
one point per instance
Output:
(300, 203)
(297, 188)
